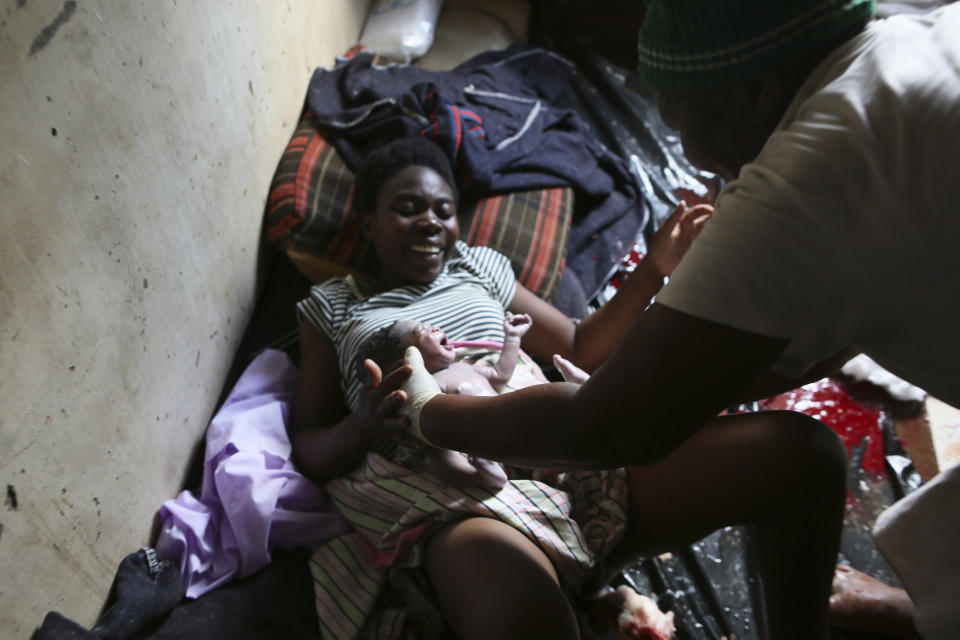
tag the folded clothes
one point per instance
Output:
(252, 498)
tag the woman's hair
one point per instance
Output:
(385, 346)
(387, 161)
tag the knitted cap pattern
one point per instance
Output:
(698, 44)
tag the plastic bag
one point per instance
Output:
(401, 30)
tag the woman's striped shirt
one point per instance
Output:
(467, 300)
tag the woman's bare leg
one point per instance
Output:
(493, 582)
(784, 473)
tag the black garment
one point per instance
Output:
(273, 603)
(145, 590)
(496, 117)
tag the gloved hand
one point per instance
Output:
(420, 388)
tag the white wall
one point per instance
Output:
(137, 143)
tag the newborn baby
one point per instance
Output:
(453, 375)
(480, 378)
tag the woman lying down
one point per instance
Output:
(425, 555)
(487, 368)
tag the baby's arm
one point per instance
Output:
(499, 374)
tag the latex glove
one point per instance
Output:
(420, 388)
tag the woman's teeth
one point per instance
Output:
(425, 249)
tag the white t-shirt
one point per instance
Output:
(845, 231)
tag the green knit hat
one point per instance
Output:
(698, 44)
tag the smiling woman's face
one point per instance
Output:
(413, 227)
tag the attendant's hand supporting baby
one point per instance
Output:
(419, 388)
(450, 466)
(378, 411)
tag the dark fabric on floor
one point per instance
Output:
(144, 590)
(276, 602)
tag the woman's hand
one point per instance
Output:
(376, 413)
(675, 235)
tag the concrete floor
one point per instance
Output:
(137, 145)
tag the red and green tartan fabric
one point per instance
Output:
(309, 216)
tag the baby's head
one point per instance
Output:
(386, 345)
(436, 350)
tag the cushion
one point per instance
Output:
(309, 217)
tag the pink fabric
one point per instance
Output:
(405, 541)
(490, 344)
(252, 498)
(484, 344)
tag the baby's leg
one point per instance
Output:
(456, 468)
(492, 473)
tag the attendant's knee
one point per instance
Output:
(810, 450)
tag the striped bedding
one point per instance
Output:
(576, 518)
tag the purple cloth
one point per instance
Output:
(252, 498)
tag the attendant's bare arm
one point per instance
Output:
(588, 343)
(671, 373)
